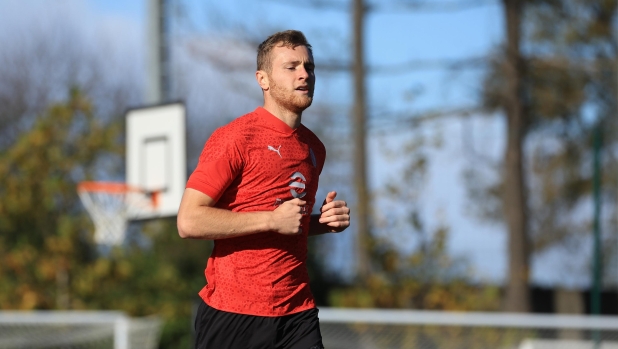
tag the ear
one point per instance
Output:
(262, 79)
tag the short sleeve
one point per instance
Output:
(219, 163)
(322, 156)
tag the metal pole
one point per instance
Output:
(157, 54)
(596, 289)
(359, 140)
(616, 111)
(121, 333)
(164, 51)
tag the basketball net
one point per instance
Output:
(111, 205)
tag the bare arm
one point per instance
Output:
(198, 219)
(334, 216)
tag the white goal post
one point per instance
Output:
(77, 329)
(396, 329)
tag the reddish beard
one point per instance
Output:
(288, 99)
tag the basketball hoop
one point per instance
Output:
(110, 204)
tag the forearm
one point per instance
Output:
(210, 223)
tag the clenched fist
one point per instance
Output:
(287, 217)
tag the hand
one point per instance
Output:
(335, 214)
(287, 217)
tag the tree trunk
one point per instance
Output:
(514, 200)
(360, 149)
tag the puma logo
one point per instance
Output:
(270, 147)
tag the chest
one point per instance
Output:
(284, 165)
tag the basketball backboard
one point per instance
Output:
(155, 158)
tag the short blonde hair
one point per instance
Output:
(288, 38)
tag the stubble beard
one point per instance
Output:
(289, 100)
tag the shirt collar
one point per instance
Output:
(273, 122)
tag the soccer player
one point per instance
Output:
(253, 192)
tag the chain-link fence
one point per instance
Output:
(399, 329)
(77, 330)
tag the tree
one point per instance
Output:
(47, 256)
(40, 218)
(544, 92)
(515, 207)
(574, 88)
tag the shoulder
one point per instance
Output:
(313, 140)
(230, 140)
(236, 130)
(243, 122)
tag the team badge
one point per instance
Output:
(298, 185)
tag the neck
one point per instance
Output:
(291, 118)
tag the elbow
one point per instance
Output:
(184, 228)
(183, 234)
(190, 229)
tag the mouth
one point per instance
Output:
(303, 89)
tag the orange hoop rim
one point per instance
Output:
(116, 188)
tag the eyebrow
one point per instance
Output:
(310, 63)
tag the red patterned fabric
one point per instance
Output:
(249, 165)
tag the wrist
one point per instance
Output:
(270, 221)
(317, 228)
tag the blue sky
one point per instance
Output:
(392, 38)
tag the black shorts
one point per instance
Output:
(216, 329)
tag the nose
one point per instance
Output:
(303, 73)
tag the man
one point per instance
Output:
(252, 193)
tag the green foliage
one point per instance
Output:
(411, 266)
(41, 221)
(428, 278)
(47, 256)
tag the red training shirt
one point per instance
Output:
(252, 164)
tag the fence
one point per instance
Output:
(77, 330)
(399, 329)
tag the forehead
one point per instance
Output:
(282, 54)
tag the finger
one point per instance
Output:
(339, 225)
(334, 204)
(330, 197)
(335, 212)
(335, 218)
(297, 202)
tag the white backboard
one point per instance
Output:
(156, 160)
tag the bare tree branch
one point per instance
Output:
(334, 66)
(430, 64)
(430, 6)
(389, 122)
(393, 6)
